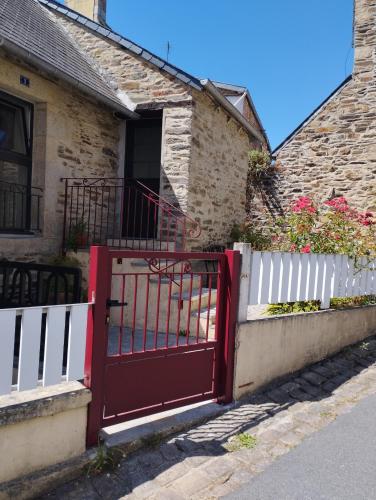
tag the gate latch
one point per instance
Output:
(115, 303)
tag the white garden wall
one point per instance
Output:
(270, 348)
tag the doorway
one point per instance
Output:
(142, 175)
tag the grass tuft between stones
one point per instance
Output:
(241, 441)
(105, 460)
(328, 414)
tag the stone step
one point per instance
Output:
(204, 314)
(163, 264)
(194, 298)
(204, 321)
(141, 244)
(136, 433)
(165, 280)
(178, 282)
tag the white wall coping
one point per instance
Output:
(42, 401)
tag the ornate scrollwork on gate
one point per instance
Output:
(195, 231)
(161, 266)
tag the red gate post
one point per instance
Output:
(96, 340)
(232, 284)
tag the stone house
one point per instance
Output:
(333, 152)
(80, 102)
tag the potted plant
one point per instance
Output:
(78, 236)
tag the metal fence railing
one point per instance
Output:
(24, 284)
(20, 208)
(122, 213)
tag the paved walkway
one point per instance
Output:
(210, 461)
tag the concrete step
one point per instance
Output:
(163, 264)
(139, 432)
(204, 314)
(142, 244)
(194, 298)
(178, 282)
(166, 279)
(206, 323)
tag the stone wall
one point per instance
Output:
(217, 181)
(140, 81)
(250, 116)
(72, 137)
(204, 151)
(336, 148)
(143, 86)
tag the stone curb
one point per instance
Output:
(38, 483)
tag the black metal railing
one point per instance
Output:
(122, 213)
(211, 266)
(28, 284)
(20, 208)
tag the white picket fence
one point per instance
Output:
(274, 277)
(27, 369)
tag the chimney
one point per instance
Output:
(364, 39)
(93, 9)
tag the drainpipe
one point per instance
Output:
(123, 111)
(230, 108)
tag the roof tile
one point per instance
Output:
(26, 24)
(129, 45)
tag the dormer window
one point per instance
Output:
(238, 101)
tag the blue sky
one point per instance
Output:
(291, 54)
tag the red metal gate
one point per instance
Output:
(161, 332)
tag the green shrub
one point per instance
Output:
(341, 302)
(314, 305)
(259, 163)
(332, 227)
(258, 239)
(292, 307)
(63, 260)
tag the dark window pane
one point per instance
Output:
(16, 201)
(147, 144)
(12, 129)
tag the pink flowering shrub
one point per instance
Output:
(331, 227)
(303, 204)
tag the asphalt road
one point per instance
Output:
(336, 463)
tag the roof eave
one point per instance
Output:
(231, 109)
(50, 69)
(123, 42)
(257, 116)
(311, 116)
(243, 90)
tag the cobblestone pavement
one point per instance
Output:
(198, 465)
